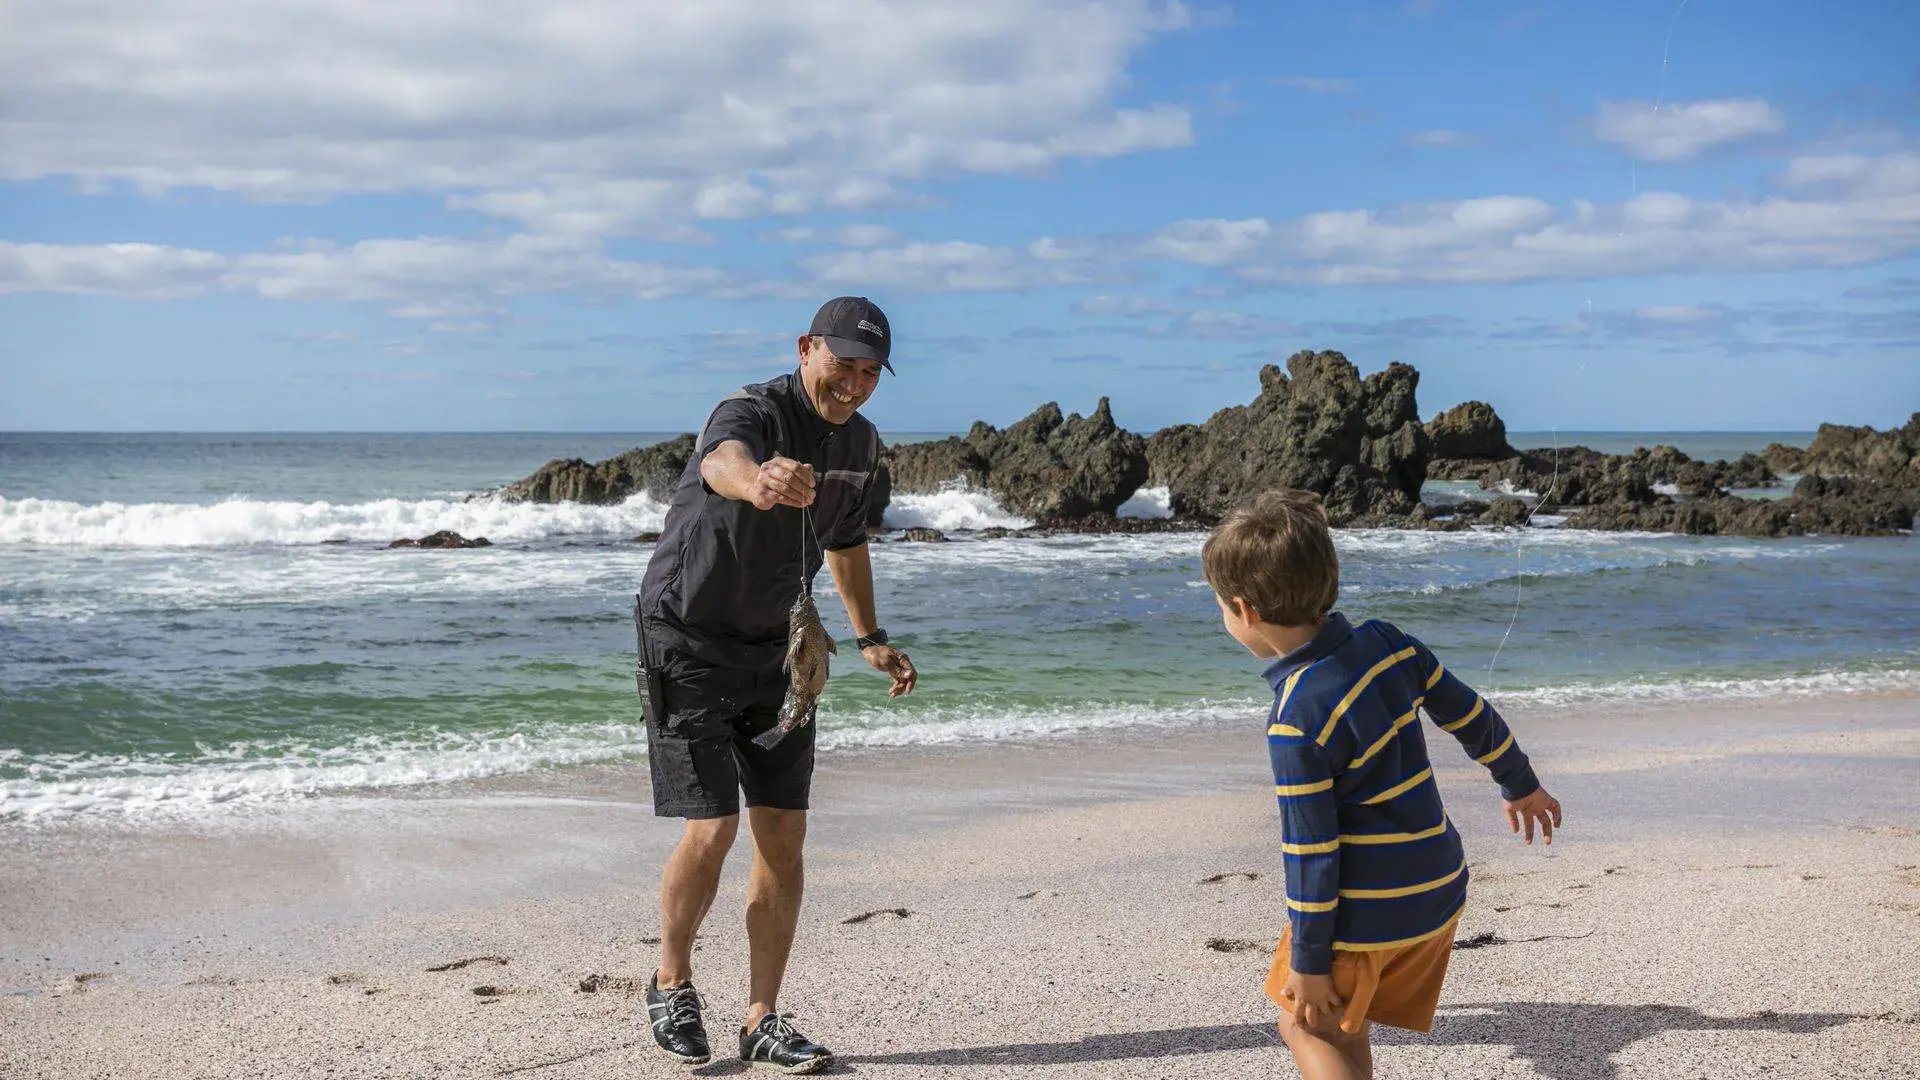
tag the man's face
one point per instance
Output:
(836, 387)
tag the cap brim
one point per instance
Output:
(854, 349)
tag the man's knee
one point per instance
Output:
(709, 839)
(779, 837)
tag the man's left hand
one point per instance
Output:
(891, 661)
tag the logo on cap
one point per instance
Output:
(872, 328)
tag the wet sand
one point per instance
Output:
(1737, 893)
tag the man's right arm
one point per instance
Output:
(731, 472)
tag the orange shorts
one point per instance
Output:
(1397, 987)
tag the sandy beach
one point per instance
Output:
(1736, 893)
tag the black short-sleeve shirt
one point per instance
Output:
(724, 574)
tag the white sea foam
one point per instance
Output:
(65, 786)
(952, 508)
(1148, 502)
(1812, 684)
(239, 521)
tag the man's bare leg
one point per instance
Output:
(773, 901)
(687, 888)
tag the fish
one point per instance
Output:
(808, 645)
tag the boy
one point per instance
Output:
(1376, 876)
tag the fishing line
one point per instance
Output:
(1519, 543)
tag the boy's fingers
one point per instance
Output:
(1546, 828)
(1528, 818)
(1513, 819)
(1555, 804)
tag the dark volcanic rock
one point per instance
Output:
(1885, 457)
(925, 536)
(1170, 448)
(1828, 507)
(1785, 459)
(1317, 426)
(445, 538)
(1470, 430)
(1506, 512)
(652, 469)
(1106, 524)
(1046, 466)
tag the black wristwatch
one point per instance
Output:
(878, 637)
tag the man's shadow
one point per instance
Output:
(1562, 1041)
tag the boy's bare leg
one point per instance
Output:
(773, 901)
(1324, 1055)
(687, 888)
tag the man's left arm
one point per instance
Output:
(852, 569)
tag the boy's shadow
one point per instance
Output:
(1562, 1041)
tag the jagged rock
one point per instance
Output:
(1317, 426)
(925, 536)
(1785, 460)
(1887, 457)
(1504, 512)
(1830, 507)
(926, 467)
(1105, 524)
(1046, 466)
(1470, 430)
(1170, 448)
(445, 538)
(1746, 471)
(647, 538)
(653, 469)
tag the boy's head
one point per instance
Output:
(1272, 562)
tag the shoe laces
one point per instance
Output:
(683, 1006)
(777, 1026)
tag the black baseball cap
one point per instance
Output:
(855, 329)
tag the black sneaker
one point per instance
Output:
(675, 1013)
(774, 1044)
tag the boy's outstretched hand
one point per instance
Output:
(1538, 808)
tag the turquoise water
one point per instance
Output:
(172, 641)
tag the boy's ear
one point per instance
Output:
(1243, 610)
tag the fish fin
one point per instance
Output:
(770, 738)
(832, 645)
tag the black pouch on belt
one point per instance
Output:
(646, 676)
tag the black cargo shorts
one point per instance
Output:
(701, 721)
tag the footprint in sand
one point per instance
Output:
(1530, 903)
(1234, 945)
(896, 912)
(494, 993)
(593, 984)
(1216, 879)
(1038, 894)
(343, 979)
(456, 965)
(87, 978)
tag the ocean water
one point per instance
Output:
(203, 624)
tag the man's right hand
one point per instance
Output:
(781, 482)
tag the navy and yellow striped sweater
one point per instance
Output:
(1372, 861)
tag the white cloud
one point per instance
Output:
(1679, 130)
(583, 118)
(951, 266)
(143, 270)
(1440, 139)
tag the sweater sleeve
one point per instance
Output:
(1309, 842)
(1464, 714)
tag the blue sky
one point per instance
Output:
(312, 214)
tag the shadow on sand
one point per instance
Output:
(1561, 1041)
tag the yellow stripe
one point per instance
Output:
(1285, 729)
(1287, 690)
(1407, 890)
(1395, 837)
(1381, 743)
(1378, 946)
(1310, 849)
(1347, 702)
(1314, 788)
(1439, 672)
(1401, 788)
(1323, 905)
(1504, 747)
(1478, 704)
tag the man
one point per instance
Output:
(778, 484)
